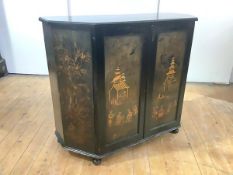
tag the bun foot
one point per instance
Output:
(96, 161)
(175, 131)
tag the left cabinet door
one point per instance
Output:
(122, 53)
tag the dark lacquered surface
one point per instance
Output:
(122, 85)
(103, 19)
(72, 50)
(167, 77)
(89, 132)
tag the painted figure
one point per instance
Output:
(110, 118)
(119, 118)
(129, 117)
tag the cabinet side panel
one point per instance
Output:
(122, 84)
(53, 80)
(74, 71)
(167, 76)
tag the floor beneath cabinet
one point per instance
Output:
(204, 144)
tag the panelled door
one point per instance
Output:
(124, 52)
(167, 69)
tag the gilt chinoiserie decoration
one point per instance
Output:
(168, 62)
(116, 80)
(122, 83)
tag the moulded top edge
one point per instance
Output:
(108, 19)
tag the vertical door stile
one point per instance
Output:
(152, 40)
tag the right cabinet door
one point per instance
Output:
(168, 69)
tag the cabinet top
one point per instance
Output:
(108, 19)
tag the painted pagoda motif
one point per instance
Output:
(122, 112)
(163, 107)
(122, 85)
(170, 75)
(119, 91)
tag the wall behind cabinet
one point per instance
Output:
(212, 51)
(22, 44)
(21, 37)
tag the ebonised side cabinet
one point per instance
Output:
(116, 80)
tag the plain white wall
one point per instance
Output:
(90, 7)
(212, 52)
(22, 31)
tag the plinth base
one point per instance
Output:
(96, 158)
